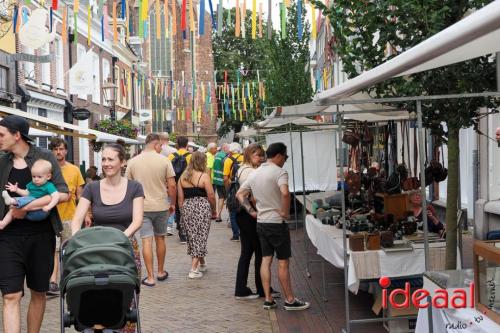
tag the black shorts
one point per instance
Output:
(274, 237)
(30, 256)
(221, 191)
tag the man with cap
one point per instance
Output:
(26, 247)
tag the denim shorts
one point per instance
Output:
(154, 224)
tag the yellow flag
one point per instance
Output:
(313, 21)
(158, 19)
(287, 3)
(115, 26)
(191, 16)
(76, 6)
(174, 19)
(64, 24)
(89, 19)
(145, 9)
(254, 18)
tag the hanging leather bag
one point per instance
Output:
(367, 137)
(351, 138)
(412, 182)
(439, 172)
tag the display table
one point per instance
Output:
(367, 265)
(314, 196)
(453, 320)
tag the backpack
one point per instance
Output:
(180, 164)
(232, 202)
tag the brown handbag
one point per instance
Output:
(373, 241)
(387, 239)
(353, 180)
(367, 137)
(351, 138)
(357, 242)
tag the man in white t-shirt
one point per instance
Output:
(166, 149)
(268, 184)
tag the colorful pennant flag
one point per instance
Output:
(254, 19)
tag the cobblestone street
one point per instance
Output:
(183, 305)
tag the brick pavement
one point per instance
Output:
(183, 305)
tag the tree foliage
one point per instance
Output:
(282, 63)
(369, 33)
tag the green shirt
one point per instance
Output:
(218, 168)
(40, 191)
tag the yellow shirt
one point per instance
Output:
(181, 151)
(210, 164)
(73, 178)
(228, 163)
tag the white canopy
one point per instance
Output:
(475, 35)
(48, 125)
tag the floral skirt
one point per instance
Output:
(195, 219)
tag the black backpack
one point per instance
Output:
(232, 202)
(180, 164)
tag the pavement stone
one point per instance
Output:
(183, 305)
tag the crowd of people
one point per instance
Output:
(144, 196)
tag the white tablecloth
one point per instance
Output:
(365, 265)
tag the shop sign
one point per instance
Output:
(81, 114)
(31, 57)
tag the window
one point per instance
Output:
(29, 67)
(45, 68)
(96, 93)
(80, 52)
(105, 75)
(59, 64)
(3, 78)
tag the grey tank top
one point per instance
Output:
(118, 215)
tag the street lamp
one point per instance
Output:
(109, 90)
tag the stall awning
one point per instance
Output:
(475, 35)
(58, 127)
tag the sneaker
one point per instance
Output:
(235, 239)
(53, 289)
(275, 294)
(183, 239)
(195, 274)
(296, 305)
(170, 232)
(250, 296)
(202, 268)
(270, 305)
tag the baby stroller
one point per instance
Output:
(99, 280)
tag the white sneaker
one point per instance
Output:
(195, 274)
(202, 268)
(169, 231)
(8, 199)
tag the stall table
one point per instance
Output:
(449, 319)
(314, 196)
(369, 265)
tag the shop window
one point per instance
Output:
(29, 67)
(105, 75)
(3, 78)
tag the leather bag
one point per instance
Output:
(351, 138)
(367, 137)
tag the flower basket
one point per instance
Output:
(122, 128)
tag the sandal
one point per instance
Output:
(146, 283)
(164, 277)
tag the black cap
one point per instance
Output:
(17, 123)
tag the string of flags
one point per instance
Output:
(166, 11)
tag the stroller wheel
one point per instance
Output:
(132, 316)
(68, 319)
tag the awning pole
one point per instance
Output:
(293, 179)
(424, 204)
(303, 181)
(344, 230)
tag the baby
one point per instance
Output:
(40, 186)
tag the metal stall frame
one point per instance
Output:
(418, 101)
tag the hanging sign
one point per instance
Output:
(81, 114)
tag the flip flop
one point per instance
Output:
(164, 277)
(146, 283)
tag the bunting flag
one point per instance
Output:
(214, 26)
(269, 19)
(128, 24)
(89, 21)
(64, 24)
(260, 20)
(219, 18)
(174, 19)
(141, 18)
(313, 22)
(165, 17)
(242, 19)
(299, 19)
(54, 5)
(106, 21)
(76, 6)
(124, 5)
(115, 25)
(237, 25)
(228, 22)
(287, 3)
(201, 21)
(158, 19)
(145, 10)
(102, 28)
(283, 20)
(192, 24)
(15, 18)
(183, 15)
(254, 19)
(75, 20)
(51, 19)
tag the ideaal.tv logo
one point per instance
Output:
(441, 298)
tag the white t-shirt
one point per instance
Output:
(265, 184)
(243, 172)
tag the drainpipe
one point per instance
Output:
(68, 112)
